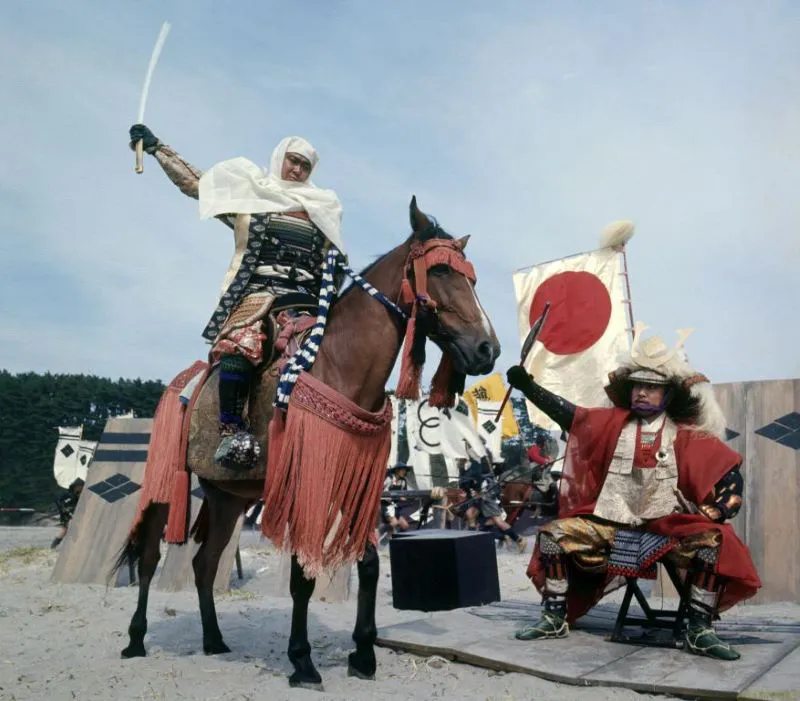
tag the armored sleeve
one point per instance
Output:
(185, 176)
(726, 499)
(556, 407)
(179, 171)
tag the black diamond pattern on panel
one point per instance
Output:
(772, 431)
(116, 480)
(67, 450)
(100, 488)
(114, 488)
(791, 421)
(791, 440)
(731, 434)
(784, 431)
(489, 426)
(83, 459)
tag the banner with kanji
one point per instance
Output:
(491, 388)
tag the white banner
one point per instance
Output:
(395, 430)
(418, 456)
(490, 432)
(65, 462)
(458, 432)
(586, 330)
(85, 455)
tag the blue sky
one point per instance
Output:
(528, 125)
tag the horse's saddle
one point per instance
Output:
(286, 324)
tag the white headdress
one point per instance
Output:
(239, 186)
(652, 361)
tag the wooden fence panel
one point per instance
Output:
(107, 507)
(764, 426)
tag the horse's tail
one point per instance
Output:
(132, 550)
(145, 534)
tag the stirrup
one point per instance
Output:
(238, 450)
(549, 626)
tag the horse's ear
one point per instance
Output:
(462, 242)
(419, 221)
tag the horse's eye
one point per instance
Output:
(439, 270)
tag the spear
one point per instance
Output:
(530, 339)
(162, 36)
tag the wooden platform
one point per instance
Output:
(484, 636)
(105, 511)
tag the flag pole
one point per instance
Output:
(628, 300)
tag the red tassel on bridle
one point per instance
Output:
(423, 257)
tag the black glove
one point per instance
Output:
(139, 132)
(518, 377)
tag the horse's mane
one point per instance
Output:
(434, 231)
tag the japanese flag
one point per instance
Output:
(586, 330)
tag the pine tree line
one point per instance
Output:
(33, 406)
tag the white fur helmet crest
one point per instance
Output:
(651, 361)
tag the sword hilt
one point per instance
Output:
(139, 168)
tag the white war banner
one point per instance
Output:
(458, 432)
(66, 468)
(85, 455)
(395, 430)
(587, 328)
(445, 432)
(419, 441)
(490, 432)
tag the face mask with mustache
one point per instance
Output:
(643, 408)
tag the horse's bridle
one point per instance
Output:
(423, 256)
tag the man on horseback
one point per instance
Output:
(645, 479)
(283, 226)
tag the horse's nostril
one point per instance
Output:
(485, 350)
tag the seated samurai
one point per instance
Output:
(650, 478)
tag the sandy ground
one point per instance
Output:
(63, 641)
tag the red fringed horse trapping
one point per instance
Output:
(327, 463)
(166, 461)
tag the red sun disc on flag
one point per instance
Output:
(579, 313)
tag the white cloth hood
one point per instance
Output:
(239, 186)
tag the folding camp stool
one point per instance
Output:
(673, 620)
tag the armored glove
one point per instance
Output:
(518, 378)
(149, 141)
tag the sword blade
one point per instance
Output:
(533, 334)
(526, 348)
(162, 36)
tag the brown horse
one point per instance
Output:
(356, 357)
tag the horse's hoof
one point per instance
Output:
(361, 668)
(219, 648)
(133, 651)
(303, 681)
(353, 672)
